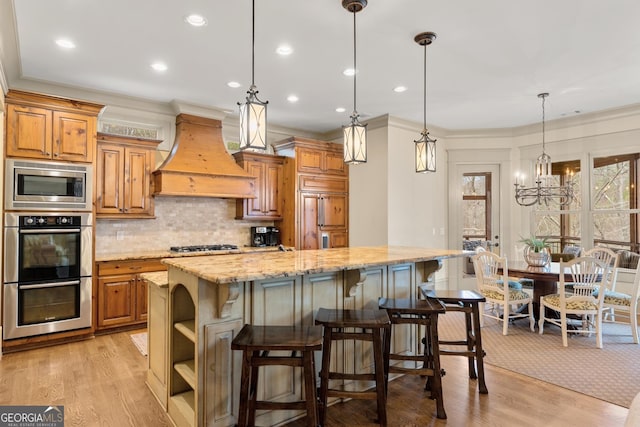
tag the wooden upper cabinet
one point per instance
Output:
(268, 170)
(45, 127)
(319, 161)
(123, 176)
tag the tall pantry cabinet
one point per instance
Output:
(315, 194)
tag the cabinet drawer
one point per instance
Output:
(108, 268)
(324, 184)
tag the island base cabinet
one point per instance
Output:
(158, 342)
(221, 395)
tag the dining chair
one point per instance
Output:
(506, 302)
(610, 258)
(615, 302)
(575, 297)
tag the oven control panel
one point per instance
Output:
(58, 221)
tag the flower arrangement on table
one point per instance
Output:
(536, 251)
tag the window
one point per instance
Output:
(476, 205)
(615, 202)
(560, 225)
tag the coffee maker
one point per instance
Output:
(265, 236)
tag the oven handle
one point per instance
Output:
(51, 230)
(49, 285)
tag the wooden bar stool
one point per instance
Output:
(256, 342)
(468, 302)
(425, 313)
(368, 325)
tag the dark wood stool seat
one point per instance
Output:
(425, 313)
(364, 325)
(256, 342)
(468, 302)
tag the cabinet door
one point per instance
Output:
(255, 207)
(73, 136)
(141, 299)
(310, 161)
(271, 190)
(29, 132)
(309, 229)
(137, 171)
(338, 239)
(109, 179)
(116, 300)
(334, 163)
(333, 211)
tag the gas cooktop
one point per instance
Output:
(203, 248)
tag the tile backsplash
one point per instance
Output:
(179, 221)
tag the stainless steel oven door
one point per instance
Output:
(20, 265)
(46, 308)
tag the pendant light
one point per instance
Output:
(543, 189)
(425, 146)
(355, 135)
(253, 112)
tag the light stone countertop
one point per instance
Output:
(241, 268)
(124, 256)
(158, 278)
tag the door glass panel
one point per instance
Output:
(475, 218)
(474, 185)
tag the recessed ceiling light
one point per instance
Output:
(196, 20)
(65, 43)
(284, 50)
(399, 89)
(233, 84)
(159, 66)
(292, 98)
(350, 72)
(340, 110)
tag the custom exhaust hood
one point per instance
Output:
(199, 164)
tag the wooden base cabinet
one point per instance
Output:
(51, 128)
(122, 293)
(315, 194)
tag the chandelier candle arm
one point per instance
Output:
(425, 147)
(355, 134)
(544, 190)
(253, 112)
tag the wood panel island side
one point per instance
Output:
(210, 298)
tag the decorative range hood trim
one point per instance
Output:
(199, 165)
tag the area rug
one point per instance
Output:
(611, 373)
(140, 341)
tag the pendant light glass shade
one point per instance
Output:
(253, 112)
(425, 146)
(355, 134)
(355, 142)
(253, 122)
(425, 153)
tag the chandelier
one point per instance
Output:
(253, 112)
(544, 189)
(355, 135)
(425, 146)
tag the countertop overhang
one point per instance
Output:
(260, 266)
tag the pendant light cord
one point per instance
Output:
(355, 72)
(544, 97)
(424, 118)
(253, 41)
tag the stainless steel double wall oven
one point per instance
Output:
(47, 251)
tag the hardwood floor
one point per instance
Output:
(101, 382)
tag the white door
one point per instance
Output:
(475, 204)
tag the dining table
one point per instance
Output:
(544, 279)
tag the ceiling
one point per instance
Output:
(489, 61)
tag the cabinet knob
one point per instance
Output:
(56, 154)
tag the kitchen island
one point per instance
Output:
(211, 297)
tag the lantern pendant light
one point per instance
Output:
(355, 135)
(253, 112)
(425, 146)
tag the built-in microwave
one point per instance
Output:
(50, 186)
